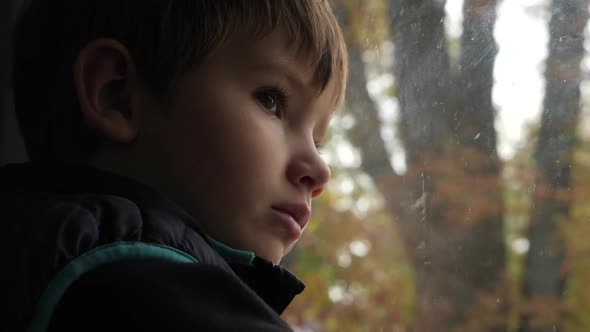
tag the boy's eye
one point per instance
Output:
(268, 101)
(272, 99)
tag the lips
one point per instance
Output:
(299, 212)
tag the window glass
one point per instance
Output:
(459, 199)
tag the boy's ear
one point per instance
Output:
(106, 81)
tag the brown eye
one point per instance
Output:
(272, 99)
(268, 101)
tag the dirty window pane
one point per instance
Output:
(460, 172)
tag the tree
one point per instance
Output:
(544, 278)
(448, 205)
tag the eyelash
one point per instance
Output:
(279, 95)
(281, 99)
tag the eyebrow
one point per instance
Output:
(295, 79)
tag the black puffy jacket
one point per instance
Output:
(87, 250)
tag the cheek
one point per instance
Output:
(229, 151)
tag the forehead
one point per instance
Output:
(275, 54)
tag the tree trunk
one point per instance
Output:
(421, 69)
(475, 150)
(453, 259)
(544, 278)
(422, 73)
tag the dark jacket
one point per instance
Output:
(87, 250)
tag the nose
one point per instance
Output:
(308, 171)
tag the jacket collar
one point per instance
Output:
(273, 283)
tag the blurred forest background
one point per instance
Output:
(435, 219)
(445, 214)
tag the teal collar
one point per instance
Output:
(232, 255)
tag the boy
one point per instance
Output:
(174, 159)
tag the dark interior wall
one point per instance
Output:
(11, 144)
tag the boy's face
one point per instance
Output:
(235, 147)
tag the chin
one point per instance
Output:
(274, 250)
(274, 257)
(274, 254)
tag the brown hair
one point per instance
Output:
(166, 39)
